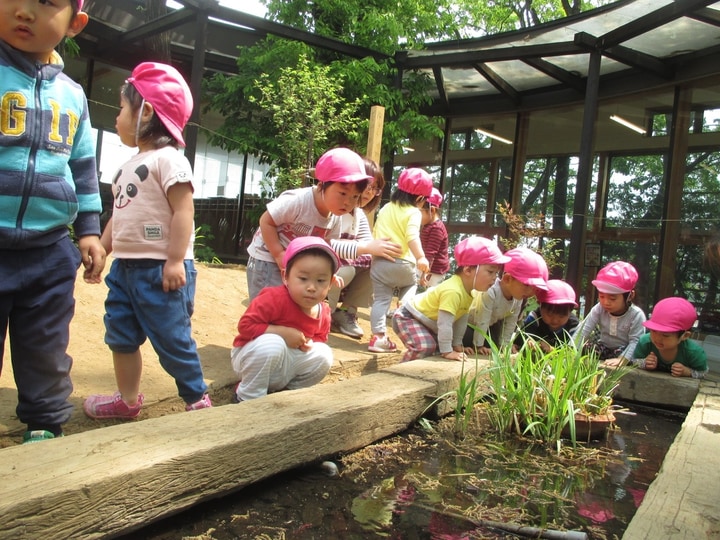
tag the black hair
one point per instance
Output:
(317, 252)
(403, 198)
(360, 185)
(153, 132)
(558, 309)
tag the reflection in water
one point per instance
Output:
(421, 487)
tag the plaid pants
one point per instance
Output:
(418, 339)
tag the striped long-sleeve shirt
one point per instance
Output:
(48, 173)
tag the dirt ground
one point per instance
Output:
(220, 300)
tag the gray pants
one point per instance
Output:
(388, 276)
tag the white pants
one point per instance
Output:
(267, 365)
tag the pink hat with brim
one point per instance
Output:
(435, 198)
(528, 267)
(476, 250)
(341, 165)
(672, 314)
(558, 292)
(303, 243)
(415, 182)
(164, 88)
(616, 277)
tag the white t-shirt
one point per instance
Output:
(141, 211)
(295, 214)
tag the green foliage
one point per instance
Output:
(203, 252)
(307, 109)
(539, 393)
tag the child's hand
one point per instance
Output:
(423, 265)
(425, 279)
(484, 350)
(381, 247)
(338, 282)
(679, 370)
(614, 362)
(173, 275)
(293, 337)
(305, 347)
(93, 258)
(651, 362)
(454, 355)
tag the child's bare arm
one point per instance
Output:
(181, 201)
(268, 229)
(417, 250)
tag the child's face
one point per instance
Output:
(554, 320)
(341, 198)
(368, 195)
(612, 303)
(125, 123)
(309, 280)
(36, 27)
(484, 275)
(665, 342)
(517, 289)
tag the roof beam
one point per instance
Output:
(652, 20)
(706, 15)
(562, 75)
(469, 58)
(440, 83)
(625, 55)
(159, 25)
(498, 82)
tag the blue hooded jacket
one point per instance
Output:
(48, 173)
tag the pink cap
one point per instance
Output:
(164, 88)
(558, 292)
(80, 4)
(527, 267)
(303, 243)
(476, 250)
(672, 314)
(435, 198)
(416, 182)
(616, 278)
(341, 165)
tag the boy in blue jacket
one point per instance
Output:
(48, 182)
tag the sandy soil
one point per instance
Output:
(220, 300)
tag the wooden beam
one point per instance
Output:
(498, 82)
(375, 132)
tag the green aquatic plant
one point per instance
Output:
(541, 394)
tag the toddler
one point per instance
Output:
(502, 304)
(400, 221)
(434, 240)
(48, 182)
(668, 346)
(309, 211)
(437, 318)
(151, 283)
(282, 336)
(553, 322)
(617, 322)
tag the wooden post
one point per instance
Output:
(375, 130)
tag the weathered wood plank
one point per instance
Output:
(682, 502)
(113, 480)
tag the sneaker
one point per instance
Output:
(38, 435)
(346, 323)
(100, 406)
(381, 345)
(203, 403)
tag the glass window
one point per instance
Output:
(467, 192)
(635, 192)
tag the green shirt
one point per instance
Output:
(689, 354)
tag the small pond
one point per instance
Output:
(426, 485)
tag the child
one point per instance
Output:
(667, 347)
(152, 279)
(553, 322)
(356, 289)
(399, 220)
(310, 211)
(282, 336)
(523, 275)
(437, 318)
(434, 240)
(48, 182)
(618, 321)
